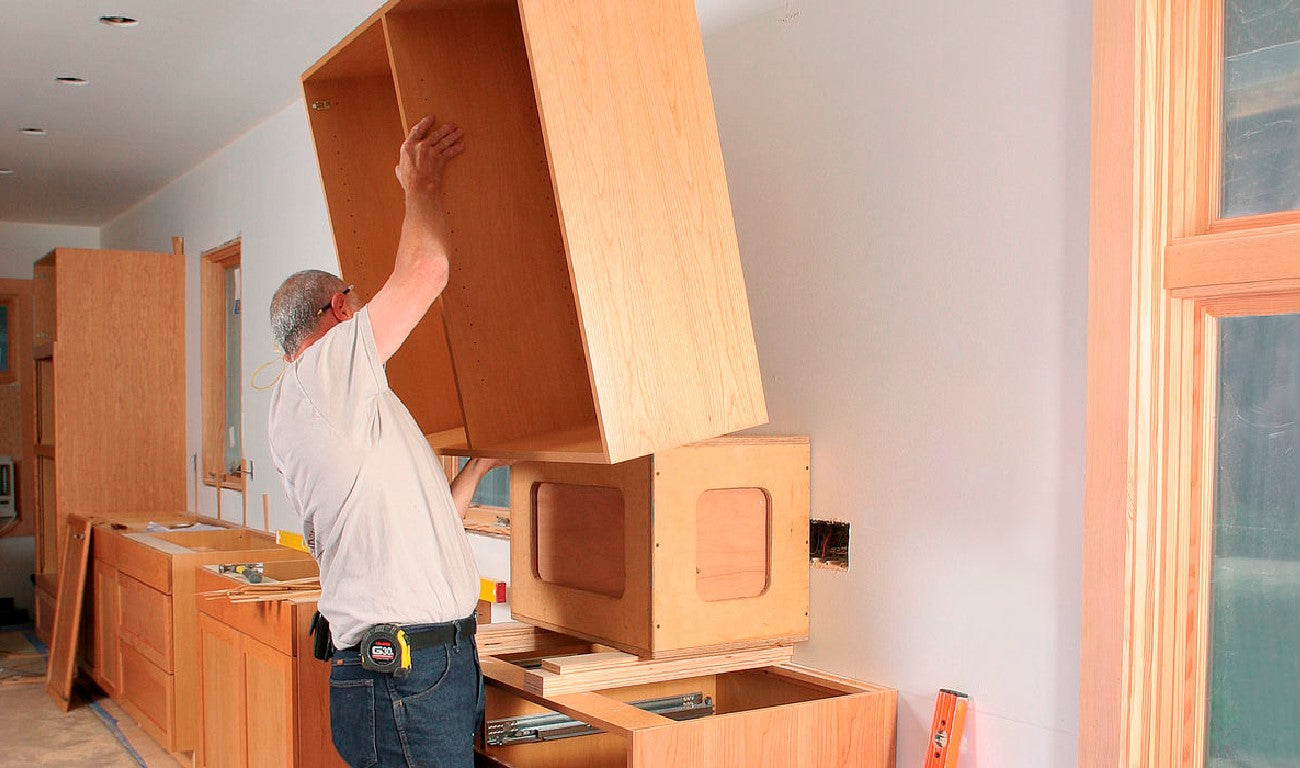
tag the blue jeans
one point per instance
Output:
(425, 720)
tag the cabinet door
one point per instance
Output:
(107, 598)
(221, 696)
(268, 690)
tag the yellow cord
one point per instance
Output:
(252, 380)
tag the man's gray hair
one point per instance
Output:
(295, 307)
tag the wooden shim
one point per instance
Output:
(67, 612)
(544, 683)
(587, 662)
(516, 637)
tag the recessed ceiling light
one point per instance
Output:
(72, 80)
(118, 21)
(6, 171)
(33, 131)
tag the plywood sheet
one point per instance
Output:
(633, 147)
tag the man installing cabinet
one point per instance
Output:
(398, 580)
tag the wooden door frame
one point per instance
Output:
(24, 368)
(1162, 266)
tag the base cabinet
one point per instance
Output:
(775, 715)
(246, 701)
(263, 697)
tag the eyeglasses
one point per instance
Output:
(326, 308)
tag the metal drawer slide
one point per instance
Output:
(554, 726)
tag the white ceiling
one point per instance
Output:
(190, 78)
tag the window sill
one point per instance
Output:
(488, 521)
(228, 482)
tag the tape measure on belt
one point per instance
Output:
(387, 647)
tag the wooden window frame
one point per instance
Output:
(1163, 267)
(213, 266)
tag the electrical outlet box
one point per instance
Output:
(828, 544)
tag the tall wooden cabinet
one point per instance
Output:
(596, 310)
(110, 370)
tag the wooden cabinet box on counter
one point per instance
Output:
(703, 547)
(263, 696)
(731, 716)
(144, 623)
(596, 309)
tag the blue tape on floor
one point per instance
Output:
(29, 633)
(110, 722)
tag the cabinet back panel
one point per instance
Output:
(357, 140)
(511, 317)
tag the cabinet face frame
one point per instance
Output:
(1164, 266)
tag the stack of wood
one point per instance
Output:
(305, 588)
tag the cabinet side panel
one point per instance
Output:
(511, 317)
(628, 117)
(692, 617)
(623, 621)
(120, 381)
(357, 131)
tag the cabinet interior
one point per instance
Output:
(498, 366)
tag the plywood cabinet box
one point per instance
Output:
(777, 714)
(694, 549)
(596, 309)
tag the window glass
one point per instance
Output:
(1255, 581)
(233, 451)
(493, 489)
(1261, 107)
(4, 337)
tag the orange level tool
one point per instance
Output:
(945, 733)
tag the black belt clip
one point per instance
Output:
(385, 648)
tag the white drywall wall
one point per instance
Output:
(910, 185)
(21, 244)
(910, 188)
(263, 188)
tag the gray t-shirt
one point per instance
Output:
(376, 507)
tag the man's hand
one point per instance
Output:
(424, 154)
(421, 268)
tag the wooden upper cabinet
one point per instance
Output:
(596, 310)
